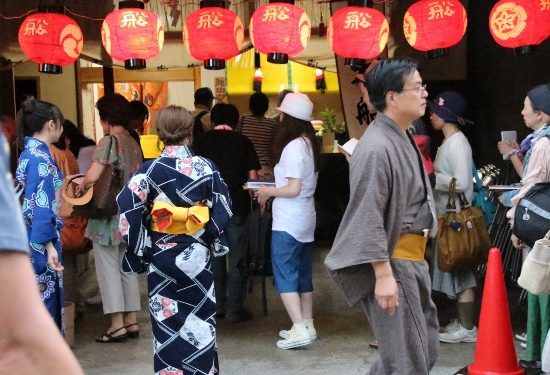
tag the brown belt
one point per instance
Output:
(410, 247)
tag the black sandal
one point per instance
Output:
(132, 334)
(373, 344)
(111, 338)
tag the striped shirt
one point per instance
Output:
(261, 132)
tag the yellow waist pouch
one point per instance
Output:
(410, 247)
(178, 220)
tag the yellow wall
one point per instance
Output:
(59, 89)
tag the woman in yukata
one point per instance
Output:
(297, 153)
(40, 125)
(172, 215)
(454, 160)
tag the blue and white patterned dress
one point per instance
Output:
(181, 285)
(42, 178)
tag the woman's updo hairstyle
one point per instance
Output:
(174, 124)
(33, 115)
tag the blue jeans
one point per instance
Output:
(230, 275)
(292, 263)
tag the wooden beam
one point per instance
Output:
(95, 75)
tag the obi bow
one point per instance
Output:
(178, 220)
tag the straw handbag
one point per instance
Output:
(535, 272)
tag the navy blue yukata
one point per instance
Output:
(182, 302)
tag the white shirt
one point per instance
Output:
(296, 215)
(453, 159)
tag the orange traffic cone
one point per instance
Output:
(495, 353)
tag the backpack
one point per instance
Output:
(197, 126)
(532, 218)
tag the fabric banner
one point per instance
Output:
(152, 94)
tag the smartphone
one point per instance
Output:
(508, 135)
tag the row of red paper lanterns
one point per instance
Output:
(214, 34)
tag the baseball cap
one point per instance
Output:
(204, 94)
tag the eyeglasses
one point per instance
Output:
(422, 88)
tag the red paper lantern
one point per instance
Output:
(520, 24)
(358, 33)
(279, 30)
(213, 34)
(50, 39)
(434, 26)
(132, 34)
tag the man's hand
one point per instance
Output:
(385, 289)
(387, 293)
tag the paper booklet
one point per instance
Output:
(349, 146)
(256, 184)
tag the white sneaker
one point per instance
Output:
(297, 336)
(460, 335)
(521, 336)
(95, 300)
(310, 329)
(524, 345)
(453, 326)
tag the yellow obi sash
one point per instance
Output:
(178, 220)
(410, 247)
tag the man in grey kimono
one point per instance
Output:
(378, 255)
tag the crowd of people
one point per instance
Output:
(183, 219)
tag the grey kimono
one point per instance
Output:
(388, 198)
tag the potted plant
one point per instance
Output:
(329, 128)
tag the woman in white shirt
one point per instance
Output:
(297, 159)
(454, 160)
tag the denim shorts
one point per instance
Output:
(292, 263)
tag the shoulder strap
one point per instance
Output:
(200, 115)
(197, 126)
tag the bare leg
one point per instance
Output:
(293, 306)
(467, 295)
(117, 322)
(306, 305)
(130, 318)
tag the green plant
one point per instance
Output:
(330, 125)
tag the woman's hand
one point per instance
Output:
(506, 147)
(53, 258)
(262, 195)
(79, 190)
(518, 244)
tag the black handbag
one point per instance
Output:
(532, 218)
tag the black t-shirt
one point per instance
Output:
(234, 155)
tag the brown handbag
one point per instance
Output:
(72, 236)
(99, 201)
(462, 238)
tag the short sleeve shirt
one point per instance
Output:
(13, 235)
(296, 215)
(234, 155)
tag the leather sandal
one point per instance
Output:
(111, 338)
(132, 334)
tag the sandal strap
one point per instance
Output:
(110, 334)
(130, 325)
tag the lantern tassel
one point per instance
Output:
(257, 85)
(320, 83)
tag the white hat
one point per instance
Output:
(297, 105)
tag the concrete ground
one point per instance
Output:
(249, 347)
